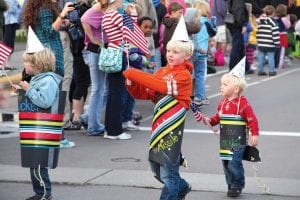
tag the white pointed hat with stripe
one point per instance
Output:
(180, 33)
(239, 69)
(33, 43)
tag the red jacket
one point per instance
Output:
(175, 81)
(245, 110)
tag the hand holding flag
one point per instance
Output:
(200, 117)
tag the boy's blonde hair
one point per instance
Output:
(269, 10)
(43, 61)
(186, 47)
(237, 81)
(203, 8)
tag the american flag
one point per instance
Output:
(196, 111)
(133, 33)
(4, 53)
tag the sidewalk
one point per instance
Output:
(145, 179)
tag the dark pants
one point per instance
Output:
(237, 49)
(113, 121)
(10, 34)
(37, 188)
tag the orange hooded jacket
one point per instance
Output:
(170, 80)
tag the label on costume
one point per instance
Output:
(233, 133)
(167, 130)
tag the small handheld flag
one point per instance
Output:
(196, 111)
(4, 54)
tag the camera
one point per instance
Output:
(75, 5)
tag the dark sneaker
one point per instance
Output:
(101, 133)
(273, 73)
(250, 71)
(40, 197)
(75, 125)
(233, 192)
(262, 74)
(182, 197)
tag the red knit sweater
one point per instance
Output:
(245, 110)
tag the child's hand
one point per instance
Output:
(206, 121)
(24, 85)
(128, 82)
(15, 87)
(254, 140)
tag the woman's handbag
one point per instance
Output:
(229, 18)
(110, 59)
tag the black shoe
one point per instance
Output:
(182, 197)
(273, 73)
(250, 71)
(101, 133)
(75, 125)
(233, 192)
(262, 73)
(40, 197)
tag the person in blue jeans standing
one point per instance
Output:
(91, 22)
(200, 54)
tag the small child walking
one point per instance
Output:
(235, 116)
(169, 88)
(43, 91)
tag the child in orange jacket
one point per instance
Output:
(169, 88)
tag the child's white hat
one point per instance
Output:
(180, 33)
(239, 69)
(33, 43)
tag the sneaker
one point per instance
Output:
(122, 136)
(201, 102)
(250, 71)
(129, 126)
(95, 133)
(273, 73)
(233, 192)
(66, 143)
(75, 125)
(40, 197)
(182, 197)
(262, 73)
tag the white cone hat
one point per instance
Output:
(180, 32)
(33, 43)
(239, 69)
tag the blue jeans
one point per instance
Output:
(98, 94)
(261, 60)
(128, 103)
(174, 186)
(234, 170)
(200, 71)
(37, 188)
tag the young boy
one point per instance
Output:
(236, 117)
(40, 121)
(169, 88)
(267, 45)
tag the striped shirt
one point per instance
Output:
(267, 34)
(116, 31)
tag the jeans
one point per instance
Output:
(174, 186)
(238, 50)
(234, 170)
(261, 60)
(128, 103)
(98, 94)
(37, 188)
(200, 71)
(157, 59)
